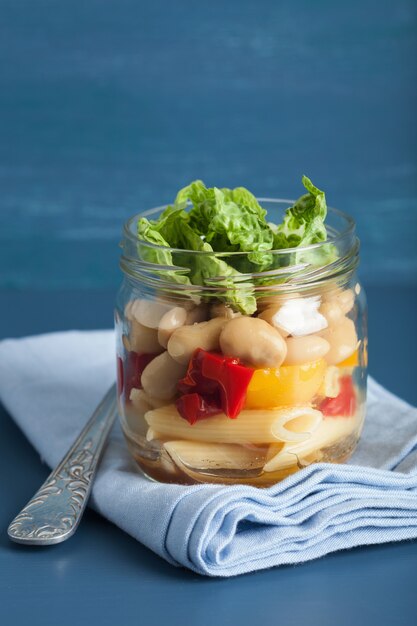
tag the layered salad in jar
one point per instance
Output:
(241, 341)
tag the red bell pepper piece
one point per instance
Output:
(194, 378)
(133, 367)
(193, 407)
(232, 378)
(344, 405)
(221, 382)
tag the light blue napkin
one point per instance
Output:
(50, 384)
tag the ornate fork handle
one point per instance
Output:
(54, 512)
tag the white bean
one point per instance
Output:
(253, 341)
(160, 377)
(345, 298)
(173, 319)
(147, 312)
(143, 403)
(185, 340)
(343, 341)
(332, 311)
(305, 349)
(142, 339)
(140, 401)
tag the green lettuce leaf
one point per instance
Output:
(303, 225)
(173, 226)
(149, 233)
(207, 267)
(232, 220)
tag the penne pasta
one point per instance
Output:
(296, 423)
(329, 432)
(152, 434)
(250, 427)
(215, 457)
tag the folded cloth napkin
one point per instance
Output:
(50, 384)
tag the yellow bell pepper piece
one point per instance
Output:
(286, 385)
(351, 361)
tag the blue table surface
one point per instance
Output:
(104, 576)
(108, 108)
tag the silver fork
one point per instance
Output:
(55, 511)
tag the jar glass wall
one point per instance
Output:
(246, 378)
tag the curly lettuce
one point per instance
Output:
(231, 221)
(205, 269)
(148, 233)
(303, 223)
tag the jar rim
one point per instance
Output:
(334, 236)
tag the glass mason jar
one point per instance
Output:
(210, 394)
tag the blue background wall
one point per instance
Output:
(108, 107)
